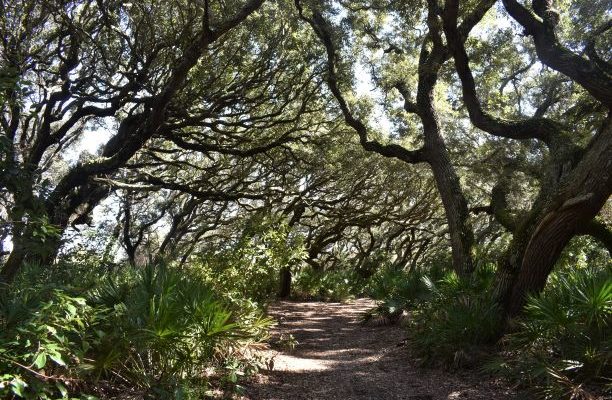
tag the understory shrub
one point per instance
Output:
(562, 348)
(332, 285)
(250, 268)
(459, 317)
(46, 338)
(397, 291)
(155, 331)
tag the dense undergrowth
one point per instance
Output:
(562, 346)
(335, 285)
(91, 329)
(559, 348)
(152, 332)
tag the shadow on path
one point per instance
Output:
(338, 358)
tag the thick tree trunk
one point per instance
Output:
(26, 249)
(580, 197)
(285, 272)
(447, 180)
(30, 247)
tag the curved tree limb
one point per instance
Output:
(541, 25)
(535, 128)
(321, 29)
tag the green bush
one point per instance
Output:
(563, 346)
(45, 340)
(459, 317)
(250, 268)
(155, 330)
(332, 285)
(396, 291)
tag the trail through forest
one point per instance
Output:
(337, 357)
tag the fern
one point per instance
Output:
(562, 346)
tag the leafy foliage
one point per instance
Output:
(339, 284)
(45, 341)
(250, 267)
(229, 141)
(459, 318)
(562, 345)
(397, 291)
(154, 330)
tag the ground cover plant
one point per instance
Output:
(155, 332)
(561, 346)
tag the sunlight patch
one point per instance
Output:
(284, 362)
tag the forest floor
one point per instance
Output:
(338, 357)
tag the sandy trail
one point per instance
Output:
(338, 358)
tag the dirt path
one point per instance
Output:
(338, 358)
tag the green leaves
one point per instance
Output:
(17, 385)
(563, 343)
(40, 360)
(337, 284)
(248, 268)
(156, 329)
(459, 317)
(595, 301)
(50, 340)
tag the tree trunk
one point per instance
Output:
(580, 197)
(456, 210)
(12, 264)
(285, 282)
(447, 180)
(448, 184)
(27, 248)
